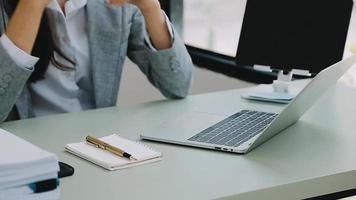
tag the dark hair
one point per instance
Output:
(44, 46)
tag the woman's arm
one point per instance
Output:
(154, 19)
(24, 24)
(16, 44)
(169, 70)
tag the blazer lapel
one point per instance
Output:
(104, 31)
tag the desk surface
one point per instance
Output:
(315, 156)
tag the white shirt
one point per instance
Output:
(64, 91)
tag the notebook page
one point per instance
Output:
(109, 160)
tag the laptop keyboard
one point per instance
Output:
(236, 129)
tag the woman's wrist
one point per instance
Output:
(156, 25)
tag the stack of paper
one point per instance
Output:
(26, 171)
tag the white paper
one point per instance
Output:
(23, 163)
(110, 161)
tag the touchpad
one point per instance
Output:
(185, 126)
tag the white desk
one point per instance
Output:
(313, 157)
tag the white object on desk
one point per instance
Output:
(269, 126)
(22, 164)
(269, 96)
(108, 160)
(280, 91)
(265, 92)
(282, 83)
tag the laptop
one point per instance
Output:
(246, 129)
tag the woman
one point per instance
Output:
(60, 56)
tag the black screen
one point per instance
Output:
(294, 34)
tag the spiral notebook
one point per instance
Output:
(108, 160)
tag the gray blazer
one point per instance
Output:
(113, 35)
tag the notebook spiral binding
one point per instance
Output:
(137, 142)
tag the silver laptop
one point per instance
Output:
(245, 130)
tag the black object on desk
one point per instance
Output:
(65, 170)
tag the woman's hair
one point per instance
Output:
(44, 46)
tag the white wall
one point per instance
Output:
(135, 87)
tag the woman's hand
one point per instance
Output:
(155, 21)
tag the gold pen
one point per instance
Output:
(105, 146)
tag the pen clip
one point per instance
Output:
(92, 142)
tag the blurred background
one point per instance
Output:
(213, 25)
